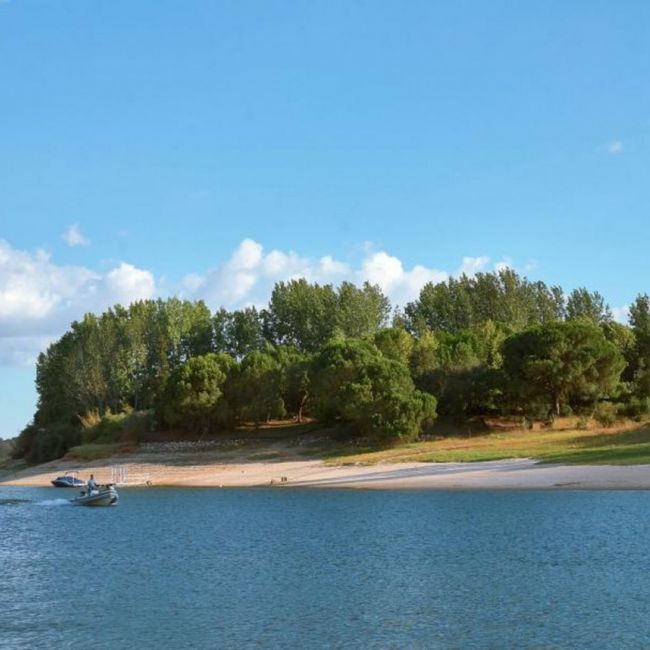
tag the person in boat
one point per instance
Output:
(92, 484)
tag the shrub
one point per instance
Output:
(116, 427)
(583, 423)
(41, 444)
(526, 423)
(566, 411)
(605, 414)
(549, 421)
(636, 407)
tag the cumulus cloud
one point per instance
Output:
(73, 237)
(127, 283)
(621, 314)
(472, 265)
(39, 299)
(248, 276)
(400, 284)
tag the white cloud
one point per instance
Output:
(32, 287)
(329, 266)
(39, 299)
(472, 265)
(248, 276)
(399, 284)
(621, 314)
(503, 264)
(73, 237)
(126, 283)
(615, 147)
(191, 283)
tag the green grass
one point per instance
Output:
(624, 445)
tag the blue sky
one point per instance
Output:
(208, 148)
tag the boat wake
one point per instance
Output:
(53, 502)
(13, 502)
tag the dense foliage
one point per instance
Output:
(491, 343)
(6, 449)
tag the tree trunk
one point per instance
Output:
(302, 405)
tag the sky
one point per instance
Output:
(207, 149)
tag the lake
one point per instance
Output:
(289, 568)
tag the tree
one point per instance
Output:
(639, 359)
(558, 362)
(374, 396)
(259, 387)
(57, 384)
(444, 306)
(239, 332)
(424, 357)
(361, 312)
(395, 343)
(301, 314)
(294, 378)
(466, 302)
(195, 394)
(590, 306)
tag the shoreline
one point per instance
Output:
(510, 474)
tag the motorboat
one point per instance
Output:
(104, 495)
(69, 479)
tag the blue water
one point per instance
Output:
(290, 568)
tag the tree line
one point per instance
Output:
(486, 344)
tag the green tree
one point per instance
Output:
(301, 314)
(195, 394)
(295, 382)
(639, 358)
(361, 312)
(557, 362)
(466, 302)
(395, 343)
(259, 387)
(239, 332)
(587, 305)
(355, 384)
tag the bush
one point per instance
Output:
(549, 421)
(6, 449)
(605, 414)
(636, 407)
(566, 411)
(583, 423)
(116, 427)
(526, 423)
(41, 444)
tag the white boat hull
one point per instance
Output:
(102, 497)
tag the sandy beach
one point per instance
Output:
(191, 470)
